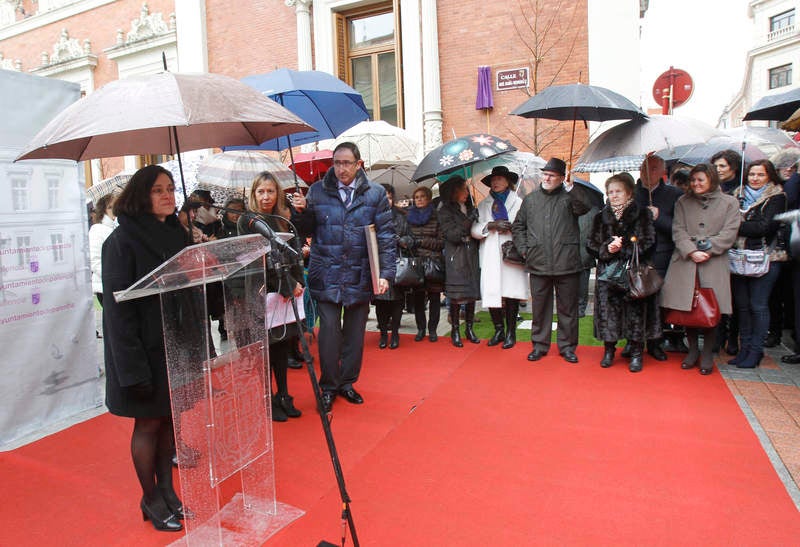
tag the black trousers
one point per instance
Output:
(341, 343)
(389, 314)
(434, 309)
(567, 288)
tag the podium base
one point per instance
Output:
(240, 525)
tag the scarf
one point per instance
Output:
(750, 196)
(420, 217)
(161, 239)
(619, 209)
(499, 211)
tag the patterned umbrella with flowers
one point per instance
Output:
(460, 153)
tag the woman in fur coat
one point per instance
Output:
(621, 223)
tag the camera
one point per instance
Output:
(703, 245)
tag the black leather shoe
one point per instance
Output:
(569, 356)
(536, 354)
(636, 363)
(352, 396)
(626, 351)
(793, 359)
(657, 353)
(772, 340)
(608, 358)
(291, 362)
(158, 513)
(395, 342)
(420, 335)
(327, 400)
(383, 341)
(433, 337)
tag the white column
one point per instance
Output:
(192, 35)
(411, 63)
(431, 90)
(303, 12)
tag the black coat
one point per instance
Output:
(401, 229)
(616, 316)
(134, 335)
(664, 198)
(462, 267)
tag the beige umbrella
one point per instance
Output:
(163, 113)
(793, 123)
(382, 143)
(232, 172)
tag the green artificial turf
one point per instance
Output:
(484, 329)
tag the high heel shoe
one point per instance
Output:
(175, 505)
(751, 360)
(382, 342)
(159, 514)
(395, 342)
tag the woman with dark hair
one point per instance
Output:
(426, 243)
(462, 271)
(704, 227)
(761, 199)
(136, 369)
(104, 224)
(614, 231)
(389, 305)
(229, 219)
(728, 164)
(268, 200)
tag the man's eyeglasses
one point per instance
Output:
(344, 163)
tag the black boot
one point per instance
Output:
(286, 402)
(455, 335)
(384, 339)
(707, 353)
(469, 318)
(395, 342)
(497, 320)
(608, 356)
(636, 357)
(512, 309)
(690, 361)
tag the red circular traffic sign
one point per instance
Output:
(674, 83)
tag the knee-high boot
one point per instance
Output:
(707, 353)
(497, 320)
(469, 318)
(455, 335)
(512, 310)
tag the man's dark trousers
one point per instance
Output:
(341, 343)
(567, 289)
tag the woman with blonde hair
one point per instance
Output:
(268, 201)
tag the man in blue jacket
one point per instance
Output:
(335, 213)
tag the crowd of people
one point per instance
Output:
(505, 251)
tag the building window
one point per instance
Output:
(368, 51)
(57, 241)
(781, 21)
(780, 76)
(20, 199)
(24, 248)
(52, 193)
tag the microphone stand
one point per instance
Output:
(347, 516)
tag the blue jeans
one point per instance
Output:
(752, 306)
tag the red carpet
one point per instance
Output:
(460, 447)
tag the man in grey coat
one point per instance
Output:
(546, 233)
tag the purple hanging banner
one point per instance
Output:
(484, 100)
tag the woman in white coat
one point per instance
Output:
(503, 285)
(104, 224)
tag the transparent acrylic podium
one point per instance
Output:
(220, 403)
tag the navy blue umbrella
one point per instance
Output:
(322, 100)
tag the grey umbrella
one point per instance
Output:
(775, 107)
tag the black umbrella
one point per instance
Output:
(578, 102)
(459, 153)
(775, 107)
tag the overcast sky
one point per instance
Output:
(707, 38)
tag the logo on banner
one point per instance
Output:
(35, 298)
(34, 266)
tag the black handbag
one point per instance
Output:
(511, 254)
(433, 267)
(409, 272)
(615, 275)
(643, 279)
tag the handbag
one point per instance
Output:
(704, 313)
(749, 262)
(511, 254)
(643, 279)
(433, 269)
(409, 272)
(615, 275)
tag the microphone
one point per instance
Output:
(260, 227)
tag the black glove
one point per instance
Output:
(142, 390)
(502, 226)
(473, 215)
(407, 242)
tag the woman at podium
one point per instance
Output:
(284, 276)
(136, 371)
